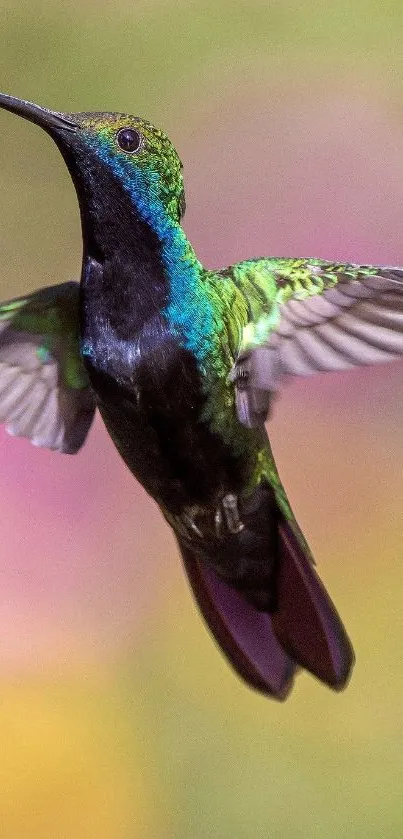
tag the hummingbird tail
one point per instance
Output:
(266, 647)
(244, 634)
(305, 620)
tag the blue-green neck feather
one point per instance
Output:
(189, 310)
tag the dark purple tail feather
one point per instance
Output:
(304, 629)
(305, 622)
(245, 635)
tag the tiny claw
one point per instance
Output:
(191, 524)
(218, 523)
(230, 506)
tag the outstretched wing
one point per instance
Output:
(45, 393)
(314, 316)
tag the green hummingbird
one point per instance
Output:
(183, 363)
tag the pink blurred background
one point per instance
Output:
(118, 716)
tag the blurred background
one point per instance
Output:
(118, 716)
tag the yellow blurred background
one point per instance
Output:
(118, 716)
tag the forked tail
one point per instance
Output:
(266, 648)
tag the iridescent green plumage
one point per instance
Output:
(246, 301)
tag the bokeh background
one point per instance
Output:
(118, 717)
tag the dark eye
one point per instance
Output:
(130, 140)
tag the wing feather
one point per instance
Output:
(45, 394)
(330, 317)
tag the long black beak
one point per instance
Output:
(49, 120)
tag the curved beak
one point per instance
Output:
(49, 120)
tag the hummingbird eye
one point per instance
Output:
(130, 140)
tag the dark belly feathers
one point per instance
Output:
(152, 413)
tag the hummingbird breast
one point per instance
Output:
(150, 394)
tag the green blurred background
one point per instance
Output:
(118, 717)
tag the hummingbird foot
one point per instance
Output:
(238, 538)
(198, 524)
(191, 526)
(228, 512)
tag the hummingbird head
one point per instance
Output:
(123, 169)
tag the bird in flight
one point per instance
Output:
(182, 363)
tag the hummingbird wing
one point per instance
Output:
(45, 394)
(313, 316)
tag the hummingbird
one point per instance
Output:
(183, 364)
